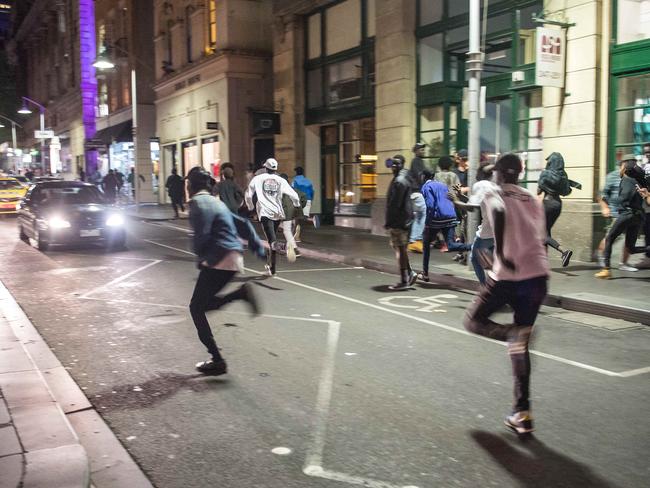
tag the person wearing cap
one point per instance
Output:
(399, 216)
(217, 245)
(632, 193)
(552, 184)
(483, 245)
(419, 206)
(303, 184)
(518, 278)
(269, 189)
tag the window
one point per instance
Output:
(430, 11)
(431, 59)
(170, 45)
(371, 16)
(495, 128)
(632, 114)
(188, 32)
(632, 20)
(314, 39)
(315, 88)
(357, 162)
(212, 23)
(343, 26)
(432, 130)
(530, 133)
(344, 81)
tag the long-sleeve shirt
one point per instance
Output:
(269, 188)
(610, 191)
(304, 184)
(629, 199)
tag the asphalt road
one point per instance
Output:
(339, 382)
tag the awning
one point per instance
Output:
(122, 132)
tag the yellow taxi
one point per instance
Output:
(11, 193)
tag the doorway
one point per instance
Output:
(329, 163)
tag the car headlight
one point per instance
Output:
(58, 223)
(115, 221)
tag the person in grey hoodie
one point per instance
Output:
(217, 245)
(554, 183)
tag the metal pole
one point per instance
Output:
(134, 112)
(474, 67)
(13, 137)
(42, 117)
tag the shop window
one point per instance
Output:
(430, 11)
(633, 20)
(343, 26)
(458, 7)
(315, 88)
(432, 130)
(431, 59)
(344, 81)
(632, 114)
(370, 18)
(495, 128)
(211, 157)
(190, 156)
(357, 162)
(314, 36)
(530, 127)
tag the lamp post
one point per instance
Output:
(26, 111)
(13, 130)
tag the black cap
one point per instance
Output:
(509, 163)
(418, 146)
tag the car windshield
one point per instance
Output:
(10, 185)
(71, 195)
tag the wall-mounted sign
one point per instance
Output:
(43, 134)
(212, 125)
(90, 144)
(188, 82)
(266, 123)
(550, 55)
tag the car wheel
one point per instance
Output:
(22, 235)
(41, 243)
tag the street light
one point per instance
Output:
(26, 111)
(13, 130)
(103, 62)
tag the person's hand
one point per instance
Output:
(607, 213)
(457, 188)
(643, 192)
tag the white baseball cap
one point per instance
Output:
(271, 164)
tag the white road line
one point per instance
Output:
(169, 247)
(319, 269)
(169, 226)
(624, 374)
(121, 278)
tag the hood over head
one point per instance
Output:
(555, 161)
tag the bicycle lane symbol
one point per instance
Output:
(431, 304)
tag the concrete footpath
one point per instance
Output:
(50, 435)
(572, 288)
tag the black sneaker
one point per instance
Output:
(566, 257)
(212, 367)
(249, 296)
(520, 422)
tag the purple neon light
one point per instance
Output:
(87, 54)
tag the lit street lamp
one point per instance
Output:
(25, 110)
(13, 130)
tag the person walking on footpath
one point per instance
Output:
(217, 245)
(441, 218)
(554, 183)
(483, 245)
(176, 191)
(419, 207)
(269, 188)
(632, 193)
(609, 202)
(518, 278)
(399, 216)
(110, 185)
(645, 164)
(303, 184)
(228, 190)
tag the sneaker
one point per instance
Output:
(520, 422)
(458, 257)
(601, 261)
(291, 252)
(316, 220)
(268, 270)
(212, 367)
(249, 296)
(627, 267)
(413, 276)
(423, 277)
(566, 257)
(399, 286)
(415, 246)
(604, 274)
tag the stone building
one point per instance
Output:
(213, 85)
(357, 81)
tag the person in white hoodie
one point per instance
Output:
(269, 189)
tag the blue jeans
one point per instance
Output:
(478, 246)
(429, 234)
(419, 217)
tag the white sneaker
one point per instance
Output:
(291, 253)
(627, 267)
(601, 261)
(267, 268)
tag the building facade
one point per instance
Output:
(352, 94)
(213, 84)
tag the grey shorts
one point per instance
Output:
(398, 237)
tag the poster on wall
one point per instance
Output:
(551, 52)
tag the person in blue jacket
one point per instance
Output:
(217, 245)
(304, 184)
(441, 217)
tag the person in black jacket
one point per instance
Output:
(229, 191)
(399, 216)
(176, 191)
(554, 183)
(630, 212)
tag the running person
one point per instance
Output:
(217, 245)
(554, 183)
(303, 184)
(518, 278)
(269, 188)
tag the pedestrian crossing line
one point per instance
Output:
(311, 270)
(552, 357)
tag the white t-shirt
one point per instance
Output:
(524, 236)
(477, 197)
(269, 188)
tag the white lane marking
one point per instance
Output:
(169, 247)
(422, 304)
(281, 451)
(623, 374)
(311, 270)
(121, 278)
(169, 226)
